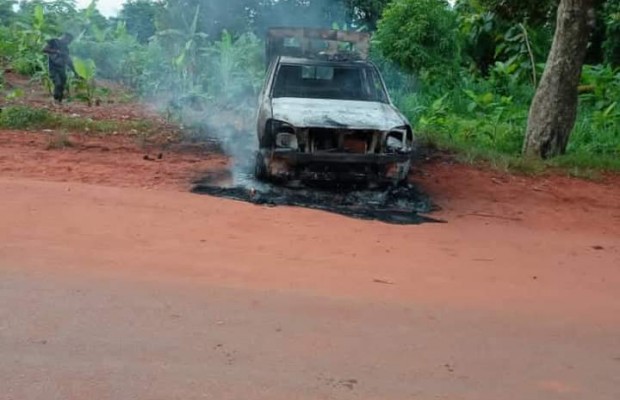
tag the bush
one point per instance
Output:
(18, 117)
(420, 36)
(235, 69)
(481, 119)
(109, 56)
(8, 46)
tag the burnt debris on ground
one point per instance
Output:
(396, 205)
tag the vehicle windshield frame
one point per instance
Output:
(373, 77)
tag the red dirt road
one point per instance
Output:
(115, 283)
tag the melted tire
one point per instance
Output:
(260, 168)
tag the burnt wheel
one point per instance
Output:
(260, 168)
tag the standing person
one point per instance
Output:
(59, 60)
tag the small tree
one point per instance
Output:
(419, 35)
(554, 108)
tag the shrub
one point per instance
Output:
(19, 117)
(420, 36)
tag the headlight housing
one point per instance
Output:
(398, 140)
(284, 135)
(287, 140)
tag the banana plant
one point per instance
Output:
(233, 72)
(185, 61)
(88, 28)
(84, 86)
(30, 40)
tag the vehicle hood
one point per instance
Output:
(348, 114)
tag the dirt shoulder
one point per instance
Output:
(549, 202)
(108, 160)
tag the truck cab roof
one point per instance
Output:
(322, 61)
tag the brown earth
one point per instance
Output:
(116, 283)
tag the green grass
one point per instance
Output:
(581, 164)
(20, 117)
(480, 125)
(25, 118)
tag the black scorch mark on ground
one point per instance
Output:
(404, 204)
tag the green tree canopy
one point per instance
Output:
(139, 17)
(535, 12)
(612, 32)
(419, 35)
(365, 12)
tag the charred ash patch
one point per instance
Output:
(404, 204)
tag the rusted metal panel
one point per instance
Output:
(366, 168)
(313, 43)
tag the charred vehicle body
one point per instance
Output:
(325, 114)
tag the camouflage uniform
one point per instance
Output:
(58, 61)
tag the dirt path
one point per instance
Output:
(116, 284)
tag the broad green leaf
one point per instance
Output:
(487, 98)
(85, 68)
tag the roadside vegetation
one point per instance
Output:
(465, 75)
(25, 117)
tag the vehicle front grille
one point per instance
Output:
(342, 141)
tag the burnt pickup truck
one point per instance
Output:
(324, 113)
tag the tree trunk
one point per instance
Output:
(554, 108)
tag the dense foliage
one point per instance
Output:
(611, 18)
(420, 36)
(464, 74)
